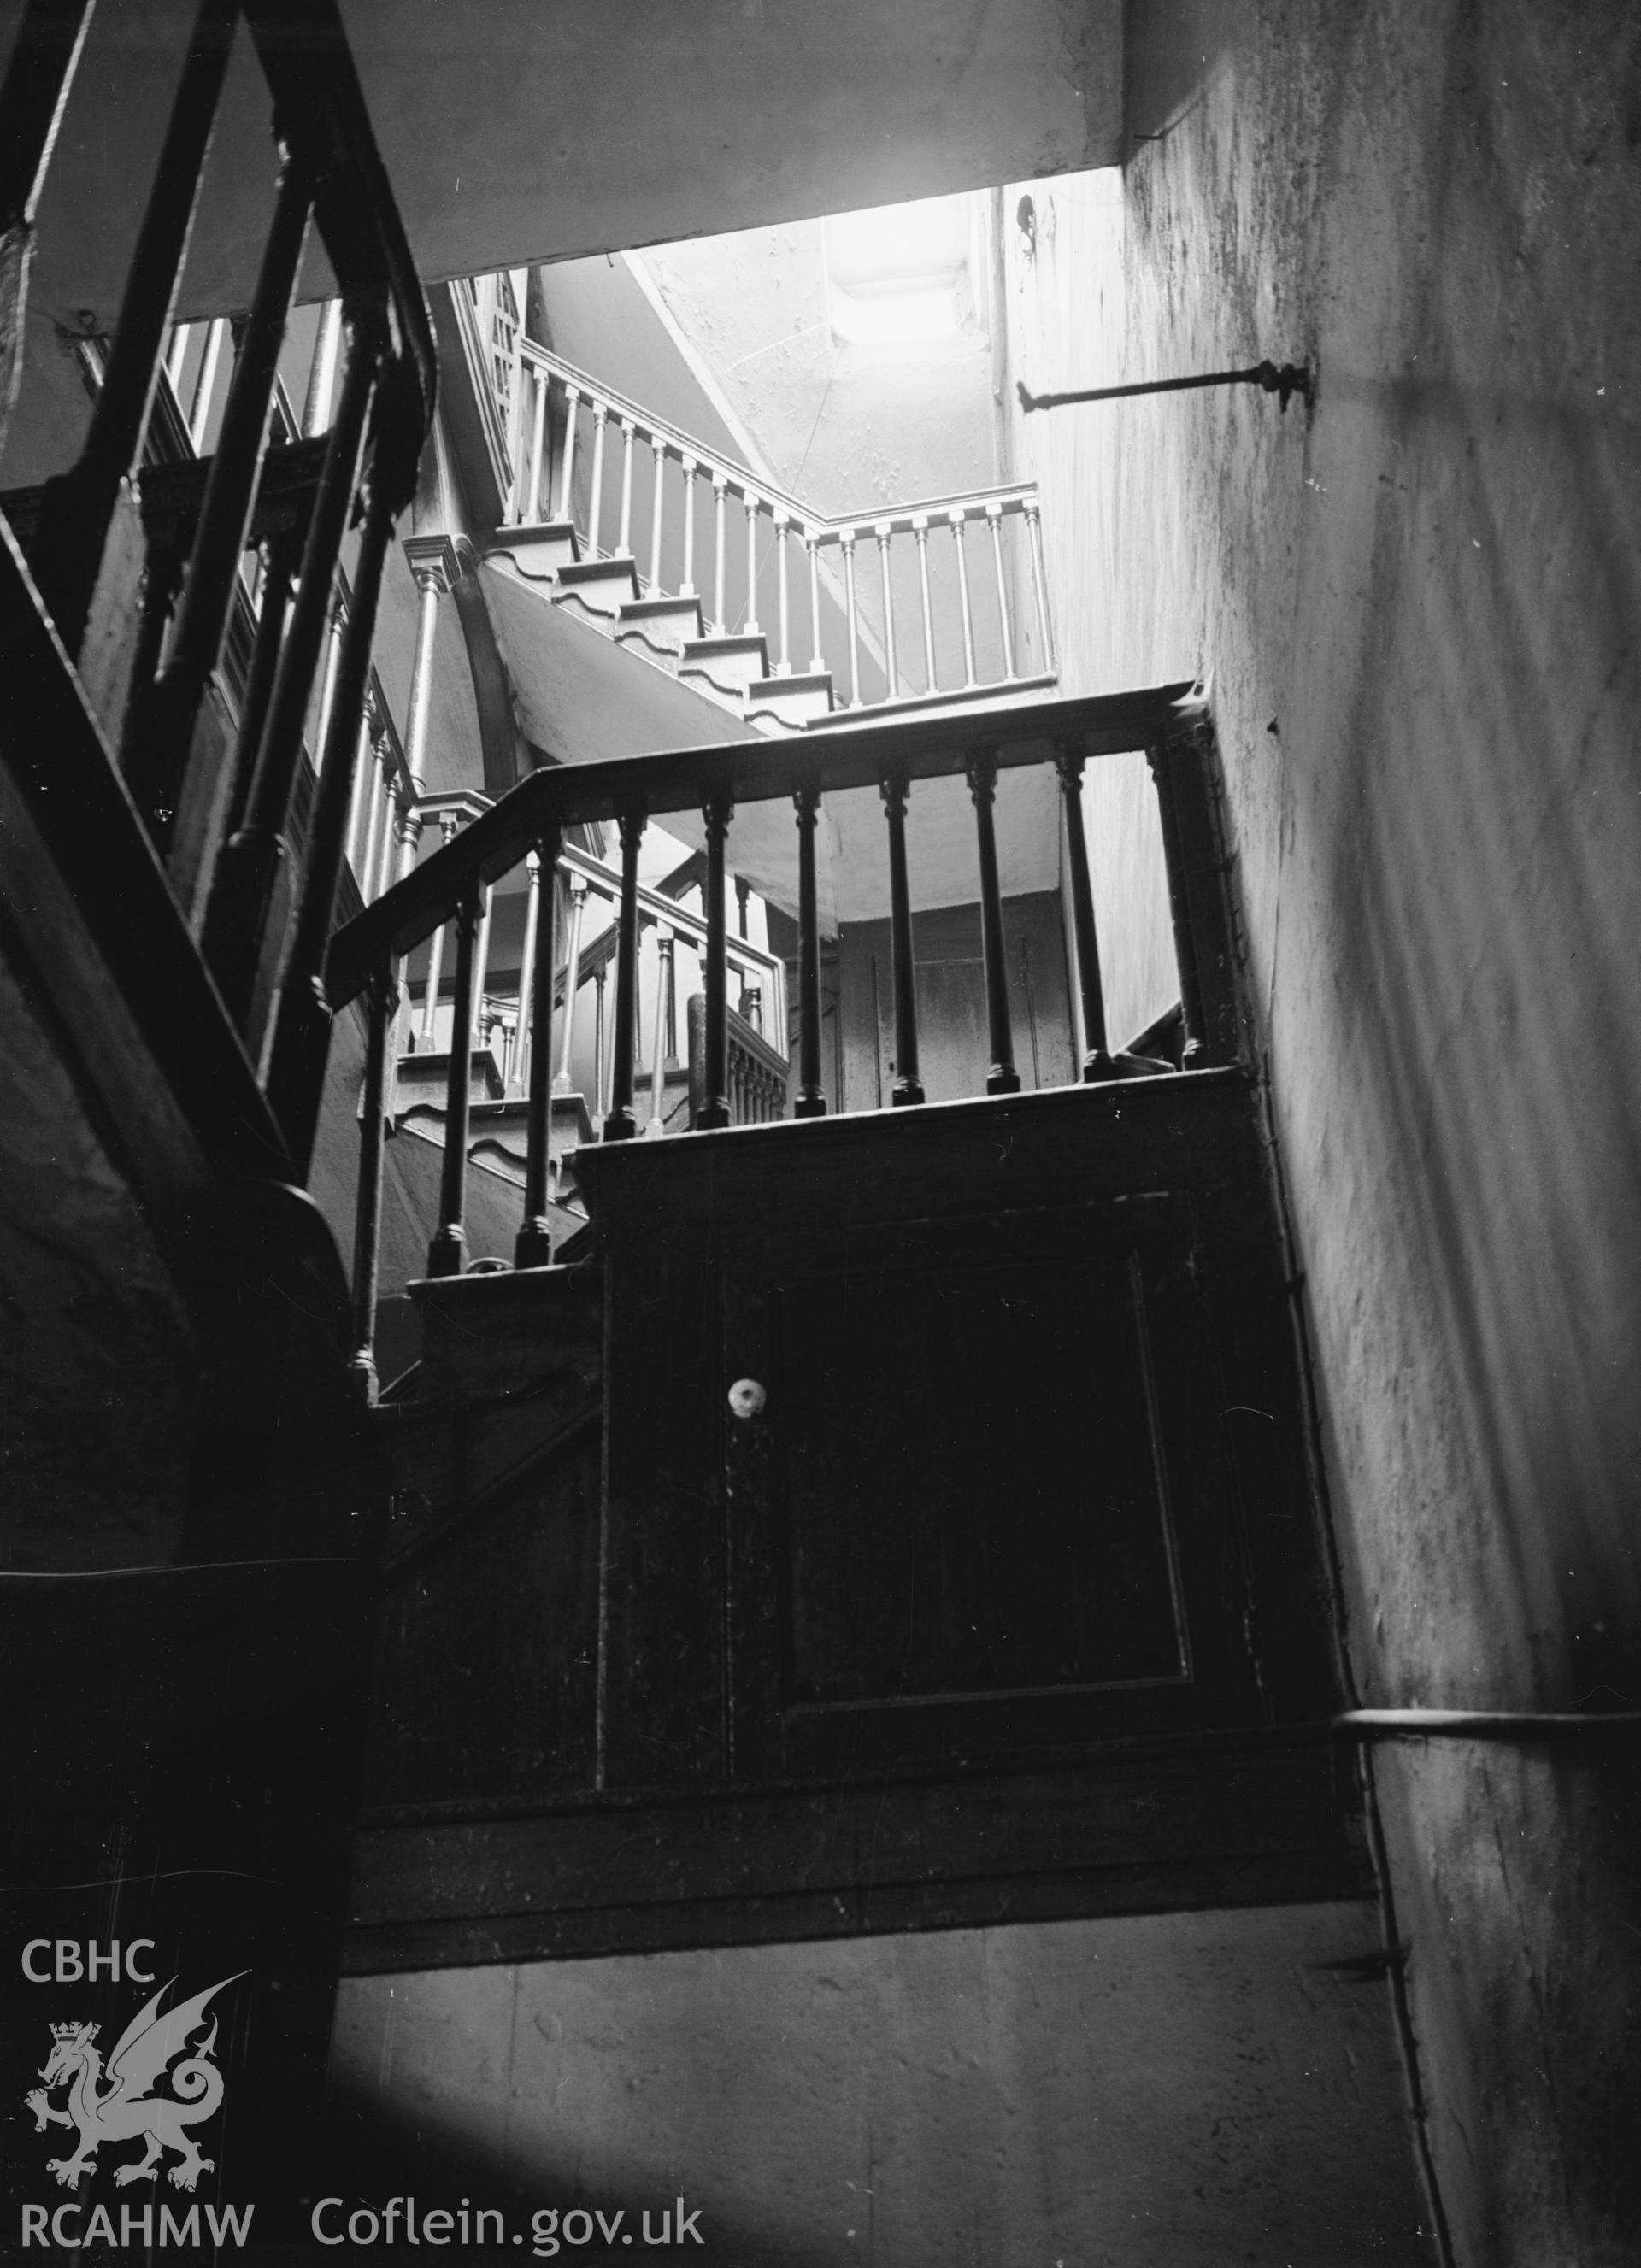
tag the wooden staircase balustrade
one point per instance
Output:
(202, 1773)
(755, 1077)
(658, 910)
(330, 175)
(890, 758)
(961, 655)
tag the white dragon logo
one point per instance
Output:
(129, 2107)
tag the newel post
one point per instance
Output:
(433, 562)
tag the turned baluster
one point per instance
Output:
(409, 837)
(436, 948)
(621, 1123)
(687, 588)
(381, 1001)
(1097, 1064)
(751, 625)
(907, 1087)
(322, 370)
(79, 505)
(205, 383)
(658, 448)
(956, 519)
(530, 510)
(481, 1028)
(1039, 586)
(533, 1246)
(396, 802)
(623, 543)
(300, 1026)
(783, 666)
(523, 1046)
(567, 467)
(720, 491)
(994, 529)
(811, 1099)
(847, 544)
(572, 963)
(883, 530)
(281, 557)
(164, 713)
(811, 545)
(600, 1051)
(381, 859)
(447, 1254)
(244, 884)
(715, 1108)
(512, 506)
(920, 535)
(595, 503)
(1193, 1017)
(1002, 1078)
(658, 1053)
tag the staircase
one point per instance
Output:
(731, 670)
(737, 576)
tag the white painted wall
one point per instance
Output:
(1168, 2091)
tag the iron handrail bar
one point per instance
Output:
(686, 779)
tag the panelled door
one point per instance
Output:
(981, 1512)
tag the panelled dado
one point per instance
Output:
(1013, 1561)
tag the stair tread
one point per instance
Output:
(813, 681)
(726, 642)
(575, 572)
(639, 610)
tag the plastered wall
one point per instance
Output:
(1173, 2091)
(1416, 610)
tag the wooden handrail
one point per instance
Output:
(737, 1078)
(684, 779)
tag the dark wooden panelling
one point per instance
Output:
(1129, 1835)
(986, 1476)
(1012, 1555)
(486, 1674)
(700, 1234)
(1045, 1346)
(1187, 1886)
(486, 1671)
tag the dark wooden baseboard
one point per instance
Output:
(1270, 1824)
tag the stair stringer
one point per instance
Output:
(586, 696)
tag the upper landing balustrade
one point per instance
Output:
(932, 602)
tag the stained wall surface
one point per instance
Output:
(1416, 609)
(1172, 2091)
